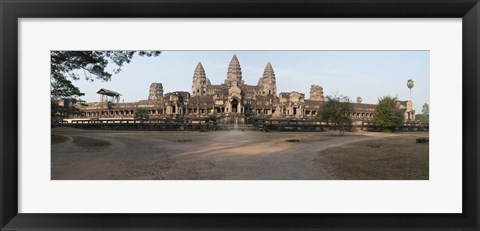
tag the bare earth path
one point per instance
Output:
(228, 155)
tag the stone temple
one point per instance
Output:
(232, 100)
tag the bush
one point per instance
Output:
(141, 114)
(387, 114)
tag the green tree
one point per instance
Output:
(336, 111)
(141, 114)
(426, 112)
(359, 99)
(59, 112)
(66, 65)
(419, 117)
(387, 114)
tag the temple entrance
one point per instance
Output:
(234, 106)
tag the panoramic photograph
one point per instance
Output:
(239, 115)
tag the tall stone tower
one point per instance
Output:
(268, 84)
(234, 72)
(156, 91)
(200, 81)
(316, 93)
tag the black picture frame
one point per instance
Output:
(11, 11)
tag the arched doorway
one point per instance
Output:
(234, 106)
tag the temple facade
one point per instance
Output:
(232, 100)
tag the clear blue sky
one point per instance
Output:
(368, 74)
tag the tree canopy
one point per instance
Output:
(387, 114)
(141, 114)
(64, 68)
(359, 99)
(336, 111)
(426, 112)
(92, 63)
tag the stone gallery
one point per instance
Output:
(232, 100)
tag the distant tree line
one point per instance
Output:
(387, 113)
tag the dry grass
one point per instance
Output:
(83, 141)
(392, 158)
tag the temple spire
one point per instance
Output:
(268, 73)
(267, 84)
(200, 80)
(199, 72)
(234, 58)
(234, 71)
(316, 93)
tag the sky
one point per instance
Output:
(368, 74)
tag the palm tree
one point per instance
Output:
(359, 99)
(410, 86)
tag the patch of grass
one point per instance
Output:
(394, 158)
(83, 141)
(57, 139)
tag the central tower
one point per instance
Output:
(234, 72)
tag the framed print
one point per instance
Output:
(239, 115)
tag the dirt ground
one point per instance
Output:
(389, 158)
(233, 155)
